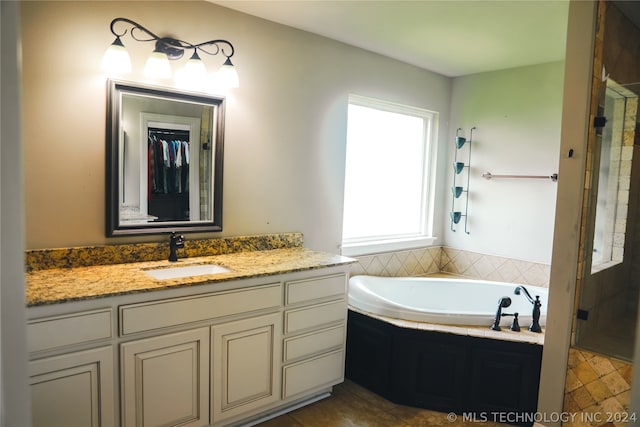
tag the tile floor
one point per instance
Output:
(597, 385)
(353, 406)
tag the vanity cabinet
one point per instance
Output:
(216, 354)
(167, 378)
(315, 333)
(244, 366)
(72, 387)
(164, 380)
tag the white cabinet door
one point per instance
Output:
(245, 365)
(165, 380)
(72, 390)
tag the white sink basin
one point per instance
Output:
(185, 271)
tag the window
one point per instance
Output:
(388, 177)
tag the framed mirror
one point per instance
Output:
(164, 160)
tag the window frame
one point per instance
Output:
(424, 238)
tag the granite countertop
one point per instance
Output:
(57, 285)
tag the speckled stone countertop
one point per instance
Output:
(57, 285)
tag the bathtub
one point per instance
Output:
(451, 301)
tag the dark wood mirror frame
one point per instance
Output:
(114, 168)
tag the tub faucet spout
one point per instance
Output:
(175, 242)
(535, 321)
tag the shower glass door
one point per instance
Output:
(607, 310)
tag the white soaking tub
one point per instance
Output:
(451, 301)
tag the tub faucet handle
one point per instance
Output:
(515, 326)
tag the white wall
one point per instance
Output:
(14, 393)
(285, 125)
(517, 114)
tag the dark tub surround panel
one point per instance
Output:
(43, 259)
(444, 372)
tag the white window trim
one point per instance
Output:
(363, 246)
(378, 246)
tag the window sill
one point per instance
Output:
(372, 247)
(601, 266)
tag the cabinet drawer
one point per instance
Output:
(322, 371)
(314, 316)
(179, 311)
(315, 342)
(54, 332)
(319, 287)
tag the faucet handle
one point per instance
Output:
(177, 238)
(515, 326)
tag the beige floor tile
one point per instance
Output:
(570, 404)
(601, 365)
(582, 397)
(351, 405)
(416, 417)
(575, 357)
(282, 421)
(624, 398)
(585, 372)
(626, 372)
(616, 383)
(612, 408)
(598, 390)
(572, 382)
(342, 413)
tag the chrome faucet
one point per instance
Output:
(175, 242)
(535, 321)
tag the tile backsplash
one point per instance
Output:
(414, 262)
(41, 259)
(425, 261)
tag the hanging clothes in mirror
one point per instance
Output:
(168, 174)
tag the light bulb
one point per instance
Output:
(157, 66)
(227, 75)
(116, 59)
(194, 73)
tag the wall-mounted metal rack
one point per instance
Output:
(458, 190)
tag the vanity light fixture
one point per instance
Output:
(116, 59)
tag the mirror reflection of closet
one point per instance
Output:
(608, 299)
(169, 186)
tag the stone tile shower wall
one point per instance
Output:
(426, 261)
